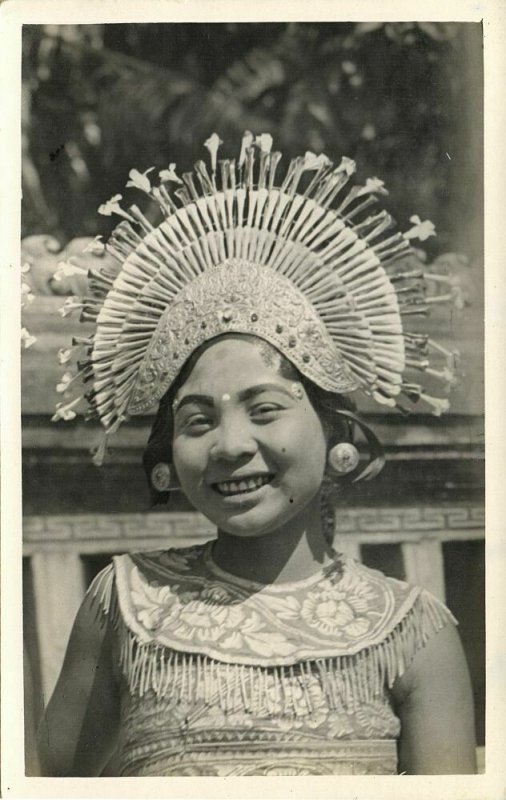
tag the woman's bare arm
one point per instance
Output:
(78, 732)
(434, 702)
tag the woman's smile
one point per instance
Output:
(249, 451)
(242, 485)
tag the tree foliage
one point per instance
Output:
(403, 99)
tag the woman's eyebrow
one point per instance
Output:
(203, 399)
(253, 391)
(245, 394)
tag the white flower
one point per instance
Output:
(169, 174)
(447, 375)
(64, 383)
(113, 207)
(25, 268)
(439, 405)
(65, 411)
(139, 180)
(212, 145)
(312, 161)
(347, 165)
(247, 141)
(27, 339)
(67, 270)
(71, 304)
(264, 142)
(420, 230)
(373, 185)
(64, 355)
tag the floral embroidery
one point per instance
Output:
(343, 607)
(182, 601)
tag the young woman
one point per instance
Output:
(251, 312)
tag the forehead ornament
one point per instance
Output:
(297, 391)
(302, 260)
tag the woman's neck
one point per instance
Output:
(291, 553)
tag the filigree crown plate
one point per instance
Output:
(239, 297)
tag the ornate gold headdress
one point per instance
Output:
(304, 263)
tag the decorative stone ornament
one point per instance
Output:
(297, 391)
(343, 458)
(161, 477)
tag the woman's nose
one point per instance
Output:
(233, 440)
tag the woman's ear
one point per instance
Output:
(158, 455)
(339, 430)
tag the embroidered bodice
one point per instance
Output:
(224, 676)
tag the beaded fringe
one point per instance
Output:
(345, 680)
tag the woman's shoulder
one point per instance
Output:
(121, 576)
(406, 616)
(400, 600)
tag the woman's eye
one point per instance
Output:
(197, 423)
(265, 412)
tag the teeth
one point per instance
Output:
(245, 485)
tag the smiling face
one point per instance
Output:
(248, 447)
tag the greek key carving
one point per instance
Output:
(129, 528)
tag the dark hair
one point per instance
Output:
(158, 448)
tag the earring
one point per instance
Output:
(343, 458)
(376, 454)
(161, 477)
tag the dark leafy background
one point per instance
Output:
(403, 99)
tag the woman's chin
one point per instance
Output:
(255, 522)
(259, 513)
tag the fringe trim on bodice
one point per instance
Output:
(344, 680)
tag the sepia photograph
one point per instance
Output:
(252, 398)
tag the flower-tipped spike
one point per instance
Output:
(212, 145)
(66, 411)
(112, 206)
(139, 180)
(169, 174)
(247, 141)
(264, 142)
(420, 230)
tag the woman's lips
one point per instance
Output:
(241, 486)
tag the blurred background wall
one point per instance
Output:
(405, 101)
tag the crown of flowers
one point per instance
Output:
(306, 262)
